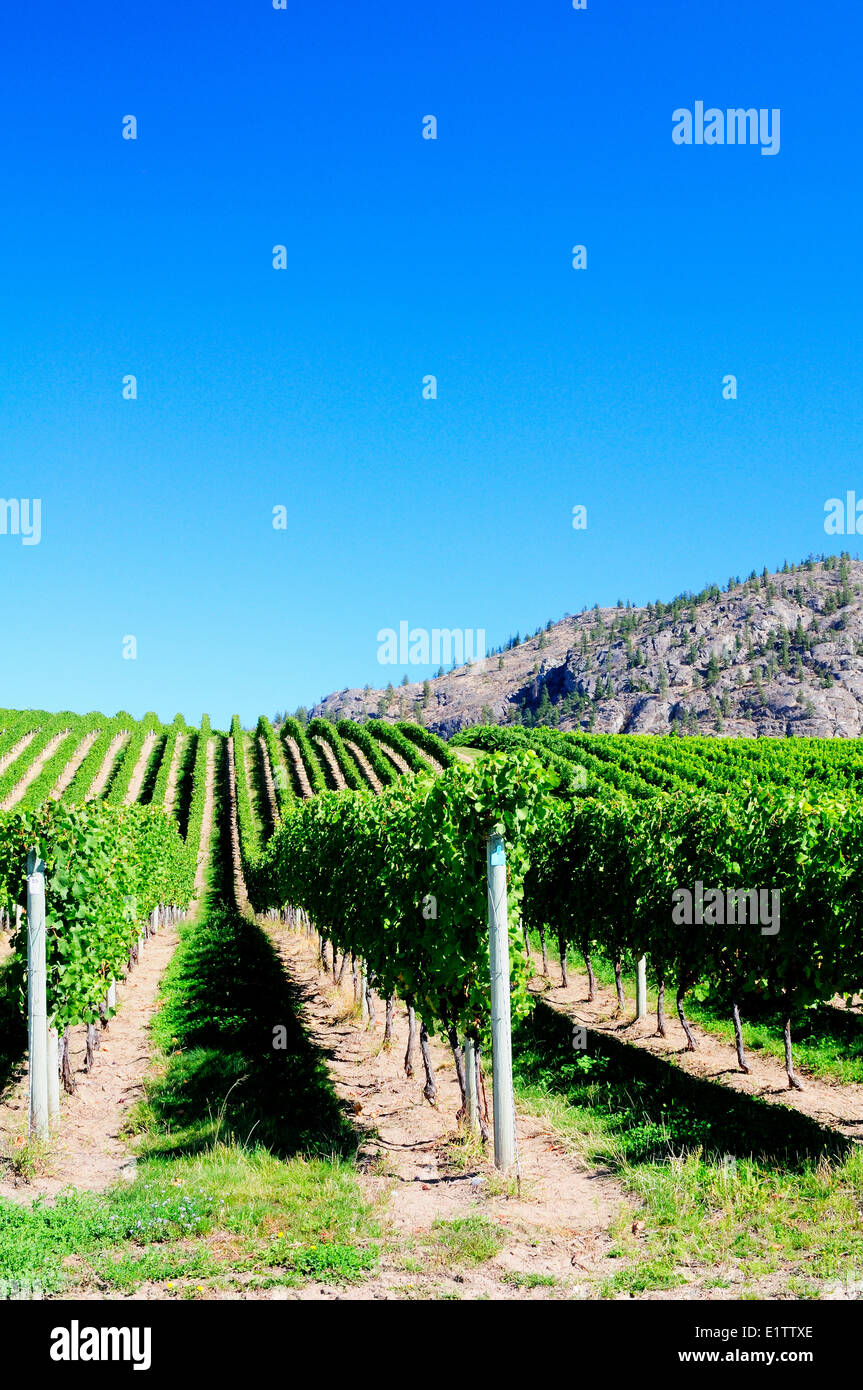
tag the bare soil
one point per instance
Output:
(68, 773)
(364, 765)
(269, 784)
(88, 1150)
(97, 786)
(302, 775)
(394, 757)
(171, 788)
(133, 791)
(330, 759)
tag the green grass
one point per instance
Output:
(225, 994)
(468, 1239)
(517, 1280)
(729, 1188)
(224, 1214)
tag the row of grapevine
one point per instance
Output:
(278, 768)
(176, 733)
(107, 868)
(323, 729)
(126, 766)
(604, 875)
(427, 742)
(357, 734)
(250, 840)
(197, 802)
(292, 731)
(399, 882)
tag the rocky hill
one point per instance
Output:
(778, 654)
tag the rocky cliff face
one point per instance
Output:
(778, 654)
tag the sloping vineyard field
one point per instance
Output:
(729, 872)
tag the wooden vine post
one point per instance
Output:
(37, 996)
(641, 988)
(471, 1097)
(501, 1022)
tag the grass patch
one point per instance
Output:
(226, 997)
(468, 1239)
(728, 1187)
(517, 1280)
(226, 1212)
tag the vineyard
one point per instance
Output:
(715, 884)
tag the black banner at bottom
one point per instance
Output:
(224, 1337)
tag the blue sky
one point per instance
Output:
(407, 257)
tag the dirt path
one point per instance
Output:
(364, 766)
(394, 757)
(269, 784)
(302, 775)
(34, 769)
(97, 786)
(68, 773)
(171, 788)
(133, 791)
(87, 1150)
(332, 764)
(558, 1227)
(206, 824)
(427, 757)
(839, 1106)
(17, 749)
(257, 793)
(240, 894)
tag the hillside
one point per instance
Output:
(776, 654)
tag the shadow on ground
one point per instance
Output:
(654, 1109)
(240, 1064)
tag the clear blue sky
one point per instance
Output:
(302, 387)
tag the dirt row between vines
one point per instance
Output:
(330, 759)
(88, 1150)
(269, 784)
(364, 766)
(67, 775)
(133, 791)
(557, 1228)
(97, 786)
(299, 767)
(174, 773)
(394, 757)
(837, 1105)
